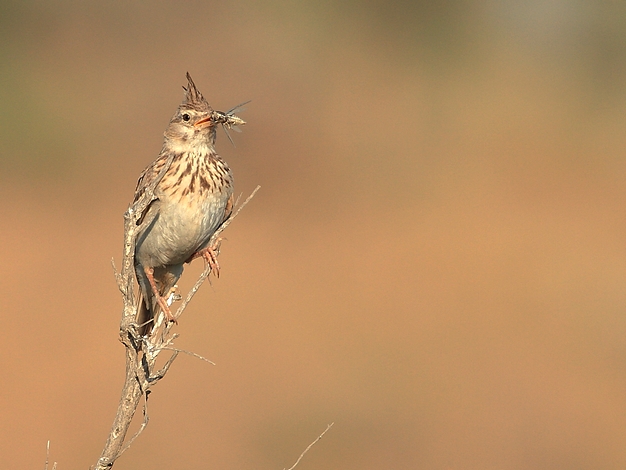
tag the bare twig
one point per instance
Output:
(118, 276)
(159, 374)
(189, 353)
(54, 465)
(142, 352)
(194, 289)
(207, 268)
(310, 445)
(135, 384)
(236, 213)
(143, 425)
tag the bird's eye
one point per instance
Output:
(186, 117)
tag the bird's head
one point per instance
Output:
(194, 124)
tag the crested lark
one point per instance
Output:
(193, 199)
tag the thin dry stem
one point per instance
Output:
(142, 352)
(54, 465)
(194, 289)
(143, 425)
(310, 445)
(207, 268)
(118, 277)
(190, 353)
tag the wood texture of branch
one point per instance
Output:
(142, 352)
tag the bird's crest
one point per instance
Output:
(192, 94)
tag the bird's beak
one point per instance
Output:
(206, 122)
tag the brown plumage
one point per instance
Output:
(193, 199)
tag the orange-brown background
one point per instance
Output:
(436, 260)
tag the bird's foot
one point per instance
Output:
(210, 256)
(162, 301)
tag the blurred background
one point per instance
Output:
(435, 261)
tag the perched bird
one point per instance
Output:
(193, 199)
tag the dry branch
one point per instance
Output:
(54, 465)
(142, 351)
(309, 446)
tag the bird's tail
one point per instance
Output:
(144, 317)
(148, 307)
(145, 314)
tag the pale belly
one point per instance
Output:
(178, 232)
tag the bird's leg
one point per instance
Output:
(210, 256)
(160, 300)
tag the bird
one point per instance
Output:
(192, 200)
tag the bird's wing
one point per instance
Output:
(149, 175)
(147, 178)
